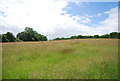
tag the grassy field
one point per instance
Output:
(65, 59)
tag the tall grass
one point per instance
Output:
(68, 59)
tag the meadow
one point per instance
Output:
(62, 59)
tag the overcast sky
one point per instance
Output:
(59, 18)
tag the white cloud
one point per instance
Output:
(34, 13)
(86, 20)
(98, 15)
(111, 23)
(45, 17)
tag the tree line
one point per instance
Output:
(30, 35)
(27, 35)
(115, 35)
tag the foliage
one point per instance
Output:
(30, 35)
(0, 38)
(27, 35)
(17, 40)
(115, 35)
(105, 36)
(4, 39)
(10, 37)
(96, 36)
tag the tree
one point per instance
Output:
(119, 35)
(114, 35)
(27, 29)
(30, 31)
(96, 36)
(111, 35)
(25, 36)
(10, 37)
(73, 37)
(4, 39)
(44, 38)
(79, 37)
(0, 38)
(57, 38)
(30, 35)
(105, 36)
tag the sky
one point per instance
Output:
(59, 18)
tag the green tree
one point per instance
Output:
(114, 35)
(119, 35)
(73, 37)
(79, 37)
(0, 38)
(96, 36)
(10, 37)
(105, 36)
(44, 38)
(30, 35)
(25, 36)
(4, 39)
(57, 38)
